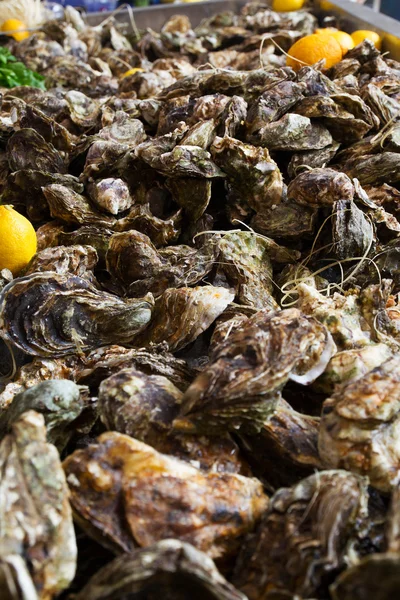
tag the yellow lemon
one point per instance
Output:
(287, 5)
(345, 40)
(313, 48)
(364, 34)
(17, 240)
(15, 25)
(132, 71)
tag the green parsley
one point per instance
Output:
(14, 73)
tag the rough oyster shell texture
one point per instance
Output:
(211, 320)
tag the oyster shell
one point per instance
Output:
(36, 518)
(176, 566)
(241, 385)
(42, 156)
(252, 175)
(110, 195)
(115, 481)
(181, 315)
(359, 426)
(135, 262)
(293, 133)
(65, 260)
(320, 187)
(144, 407)
(246, 263)
(305, 536)
(51, 315)
(60, 402)
(71, 207)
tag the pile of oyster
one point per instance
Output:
(200, 391)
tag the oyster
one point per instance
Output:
(350, 365)
(320, 187)
(50, 315)
(181, 315)
(61, 403)
(101, 363)
(144, 407)
(71, 207)
(286, 447)
(114, 483)
(36, 518)
(176, 566)
(305, 536)
(42, 155)
(247, 265)
(359, 426)
(352, 231)
(293, 133)
(65, 260)
(252, 175)
(135, 262)
(241, 385)
(110, 195)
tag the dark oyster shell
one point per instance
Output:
(241, 385)
(129, 494)
(176, 567)
(52, 315)
(41, 156)
(304, 538)
(320, 187)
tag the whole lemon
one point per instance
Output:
(15, 25)
(287, 5)
(313, 48)
(345, 40)
(364, 34)
(17, 240)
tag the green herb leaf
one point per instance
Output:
(14, 73)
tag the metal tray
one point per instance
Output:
(350, 17)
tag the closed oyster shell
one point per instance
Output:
(320, 187)
(246, 262)
(352, 231)
(181, 315)
(193, 195)
(285, 449)
(176, 567)
(83, 111)
(128, 494)
(135, 262)
(42, 156)
(252, 176)
(306, 534)
(101, 363)
(374, 169)
(65, 260)
(110, 195)
(350, 365)
(311, 158)
(36, 521)
(71, 207)
(144, 407)
(360, 426)
(271, 106)
(287, 220)
(293, 133)
(60, 402)
(51, 315)
(241, 385)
